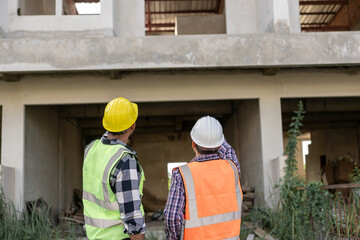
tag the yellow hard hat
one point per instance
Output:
(119, 115)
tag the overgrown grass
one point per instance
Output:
(304, 211)
(26, 226)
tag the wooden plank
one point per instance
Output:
(258, 231)
(334, 2)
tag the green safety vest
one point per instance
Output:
(101, 209)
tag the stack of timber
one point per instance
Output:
(73, 215)
(248, 199)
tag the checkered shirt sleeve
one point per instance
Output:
(125, 184)
(175, 207)
(227, 152)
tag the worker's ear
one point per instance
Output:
(133, 126)
(193, 144)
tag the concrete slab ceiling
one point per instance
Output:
(165, 117)
(324, 113)
(170, 52)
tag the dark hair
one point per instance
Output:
(119, 133)
(206, 151)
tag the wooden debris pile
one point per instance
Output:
(248, 199)
(73, 215)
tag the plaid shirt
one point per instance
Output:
(175, 206)
(124, 182)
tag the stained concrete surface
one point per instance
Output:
(161, 52)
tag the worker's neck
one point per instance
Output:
(122, 137)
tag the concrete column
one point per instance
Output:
(271, 141)
(4, 17)
(129, 18)
(58, 7)
(286, 16)
(265, 16)
(278, 16)
(12, 142)
(240, 16)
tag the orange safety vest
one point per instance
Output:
(213, 200)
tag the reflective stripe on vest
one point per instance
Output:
(104, 204)
(195, 221)
(101, 223)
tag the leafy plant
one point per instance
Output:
(302, 211)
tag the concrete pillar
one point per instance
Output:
(12, 142)
(58, 7)
(129, 18)
(265, 16)
(240, 16)
(286, 16)
(271, 141)
(4, 17)
(278, 16)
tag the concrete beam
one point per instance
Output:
(12, 144)
(196, 108)
(171, 52)
(325, 117)
(349, 104)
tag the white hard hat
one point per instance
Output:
(207, 133)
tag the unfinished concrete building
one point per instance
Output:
(246, 62)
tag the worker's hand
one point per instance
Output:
(137, 237)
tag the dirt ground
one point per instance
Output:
(155, 229)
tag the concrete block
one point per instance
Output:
(209, 24)
(7, 178)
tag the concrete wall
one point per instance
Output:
(71, 162)
(7, 182)
(208, 24)
(0, 130)
(41, 155)
(265, 16)
(242, 131)
(35, 89)
(37, 7)
(241, 17)
(294, 16)
(154, 152)
(333, 143)
(4, 18)
(129, 18)
(250, 152)
(286, 16)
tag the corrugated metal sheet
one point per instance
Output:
(318, 16)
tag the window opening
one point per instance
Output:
(305, 150)
(36, 7)
(175, 17)
(82, 7)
